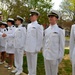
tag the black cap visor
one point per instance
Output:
(53, 15)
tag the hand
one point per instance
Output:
(4, 35)
(59, 60)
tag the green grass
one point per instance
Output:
(40, 65)
(66, 51)
(67, 38)
(64, 67)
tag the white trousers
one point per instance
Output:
(51, 67)
(73, 68)
(32, 62)
(18, 59)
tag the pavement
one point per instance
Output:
(5, 71)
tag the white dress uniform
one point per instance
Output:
(53, 49)
(10, 40)
(33, 45)
(72, 48)
(19, 45)
(3, 40)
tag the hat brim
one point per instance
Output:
(4, 24)
(34, 13)
(19, 19)
(55, 15)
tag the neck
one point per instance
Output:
(10, 25)
(53, 23)
(34, 21)
(19, 24)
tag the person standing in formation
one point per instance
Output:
(33, 41)
(72, 48)
(54, 41)
(19, 45)
(3, 42)
(10, 43)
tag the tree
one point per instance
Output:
(22, 7)
(68, 9)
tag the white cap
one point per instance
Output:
(10, 19)
(5, 23)
(55, 12)
(20, 17)
(35, 11)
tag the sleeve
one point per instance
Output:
(72, 42)
(1, 34)
(24, 36)
(13, 33)
(44, 39)
(39, 38)
(61, 44)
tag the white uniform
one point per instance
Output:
(19, 44)
(10, 40)
(72, 48)
(2, 40)
(33, 45)
(53, 50)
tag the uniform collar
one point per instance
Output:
(11, 26)
(20, 26)
(34, 22)
(3, 29)
(53, 26)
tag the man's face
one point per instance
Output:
(9, 23)
(52, 19)
(33, 18)
(2, 26)
(17, 22)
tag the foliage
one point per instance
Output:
(22, 8)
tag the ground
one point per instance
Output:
(65, 67)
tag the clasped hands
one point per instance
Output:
(4, 35)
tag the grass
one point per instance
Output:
(67, 38)
(40, 65)
(64, 67)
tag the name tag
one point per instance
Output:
(34, 28)
(55, 32)
(19, 30)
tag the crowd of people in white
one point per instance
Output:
(14, 41)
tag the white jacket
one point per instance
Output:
(54, 42)
(20, 37)
(34, 37)
(10, 40)
(3, 39)
(72, 43)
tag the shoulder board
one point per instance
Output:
(23, 25)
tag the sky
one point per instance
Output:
(56, 4)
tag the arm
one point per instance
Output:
(39, 38)
(62, 44)
(12, 34)
(24, 35)
(1, 34)
(71, 42)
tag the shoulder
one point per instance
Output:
(61, 32)
(13, 27)
(73, 26)
(22, 29)
(29, 24)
